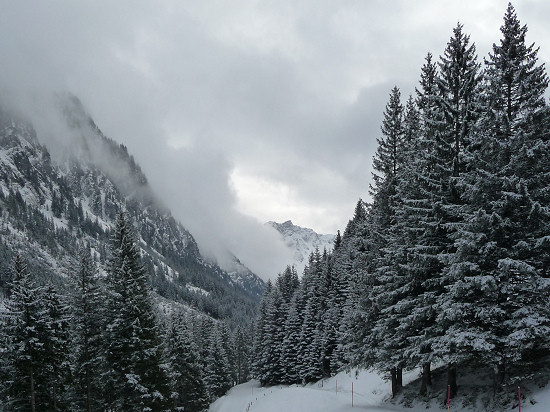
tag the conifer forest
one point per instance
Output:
(445, 269)
(448, 264)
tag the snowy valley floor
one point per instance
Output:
(370, 393)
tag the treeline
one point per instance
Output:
(449, 263)
(106, 344)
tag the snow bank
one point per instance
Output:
(329, 395)
(370, 392)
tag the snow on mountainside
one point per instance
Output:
(302, 242)
(51, 201)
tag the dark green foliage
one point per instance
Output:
(35, 360)
(87, 324)
(242, 353)
(47, 211)
(449, 263)
(499, 268)
(217, 372)
(135, 377)
(189, 391)
(21, 359)
(294, 341)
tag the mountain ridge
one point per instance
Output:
(51, 204)
(302, 242)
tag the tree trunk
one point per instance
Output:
(427, 368)
(451, 379)
(399, 377)
(501, 373)
(498, 378)
(394, 385)
(426, 378)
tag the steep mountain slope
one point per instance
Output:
(302, 242)
(50, 205)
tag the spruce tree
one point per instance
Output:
(87, 324)
(241, 345)
(355, 260)
(388, 275)
(495, 304)
(54, 331)
(217, 375)
(22, 358)
(388, 160)
(291, 341)
(273, 337)
(458, 102)
(310, 357)
(136, 378)
(259, 345)
(189, 392)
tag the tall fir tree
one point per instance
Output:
(217, 375)
(242, 350)
(495, 304)
(388, 160)
(136, 378)
(189, 391)
(87, 324)
(55, 333)
(458, 101)
(259, 344)
(388, 163)
(22, 357)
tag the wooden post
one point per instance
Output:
(448, 397)
(336, 386)
(519, 398)
(352, 394)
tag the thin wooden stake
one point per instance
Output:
(519, 398)
(448, 397)
(352, 394)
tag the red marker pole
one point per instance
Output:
(448, 397)
(519, 398)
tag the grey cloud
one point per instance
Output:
(292, 92)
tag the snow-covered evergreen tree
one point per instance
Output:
(87, 324)
(55, 351)
(259, 345)
(242, 353)
(189, 391)
(136, 378)
(23, 330)
(217, 375)
(495, 309)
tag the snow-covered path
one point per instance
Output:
(334, 395)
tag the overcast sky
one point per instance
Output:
(244, 111)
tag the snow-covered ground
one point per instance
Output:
(335, 395)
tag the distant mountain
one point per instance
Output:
(50, 204)
(302, 242)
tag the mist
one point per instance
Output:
(238, 113)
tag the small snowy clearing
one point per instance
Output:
(370, 392)
(329, 395)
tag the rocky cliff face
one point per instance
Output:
(50, 205)
(302, 242)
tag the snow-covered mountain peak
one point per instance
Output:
(302, 242)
